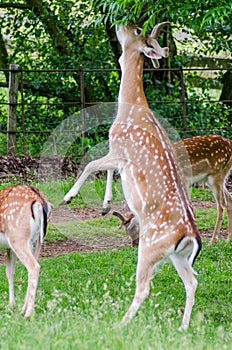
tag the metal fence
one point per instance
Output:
(15, 110)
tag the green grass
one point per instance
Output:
(86, 231)
(201, 194)
(82, 296)
(206, 218)
(100, 227)
(91, 194)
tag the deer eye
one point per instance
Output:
(138, 31)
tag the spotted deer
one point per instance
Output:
(210, 158)
(158, 199)
(24, 211)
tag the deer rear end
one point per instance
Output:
(24, 212)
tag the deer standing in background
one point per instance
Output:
(211, 160)
(210, 157)
(24, 211)
(158, 199)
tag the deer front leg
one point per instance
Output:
(108, 193)
(106, 163)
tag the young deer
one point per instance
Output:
(24, 211)
(210, 157)
(158, 199)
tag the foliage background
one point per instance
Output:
(73, 34)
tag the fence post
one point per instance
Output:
(83, 117)
(183, 101)
(23, 114)
(12, 109)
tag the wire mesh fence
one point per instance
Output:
(41, 115)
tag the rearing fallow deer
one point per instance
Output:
(157, 198)
(210, 158)
(24, 211)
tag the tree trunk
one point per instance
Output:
(3, 56)
(12, 109)
(226, 94)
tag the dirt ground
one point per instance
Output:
(66, 245)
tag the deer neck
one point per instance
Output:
(131, 88)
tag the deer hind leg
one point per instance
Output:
(108, 193)
(186, 273)
(37, 249)
(10, 270)
(144, 271)
(29, 261)
(33, 269)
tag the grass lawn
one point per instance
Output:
(82, 297)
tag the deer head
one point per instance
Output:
(149, 45)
